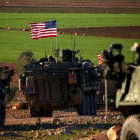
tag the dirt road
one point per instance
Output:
(77, 6)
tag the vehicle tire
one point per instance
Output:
(87, 104)
(46, 113)
(95, 103)
(34, 113)
(2, 113)
(131, 128)
(49, 113)
(91, 104)
(82, 108)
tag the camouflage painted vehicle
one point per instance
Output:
(127, 76)
(4, 89)
(54, 85)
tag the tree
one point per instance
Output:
(24, 59)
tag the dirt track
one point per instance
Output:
(77, 6)
(129, 32)
(62, 3)
(125, 32)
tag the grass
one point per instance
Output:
(43, 135)
(22, 20)
(14, 42)
(29, 131)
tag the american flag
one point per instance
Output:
(44, 29)
(100, 57)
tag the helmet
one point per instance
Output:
(50, 57)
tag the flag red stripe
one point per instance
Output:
(44, 36)
(100, 57)
(38, 31)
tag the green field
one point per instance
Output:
(12, 43)
(22, 20)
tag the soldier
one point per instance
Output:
(51, 59)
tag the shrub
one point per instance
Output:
(24, 59)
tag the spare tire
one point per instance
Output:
(131, 128)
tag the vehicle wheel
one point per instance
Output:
(82, 108)
(88, 104)
(2, 113)
(131, 128)
(91, 104)
(95, 103)
(49, 113)
(46, 113)
(34, 113)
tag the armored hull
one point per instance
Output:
(61, 86)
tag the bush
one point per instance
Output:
(13, 89)
(24, 59)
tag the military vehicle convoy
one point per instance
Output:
(50, 85)
(4, 89)
(127, 76)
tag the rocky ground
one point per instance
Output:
(63, 122)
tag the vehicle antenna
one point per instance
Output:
(71, 37)
(45, 55)
(51, 37)
(106, 104)
(74, 38)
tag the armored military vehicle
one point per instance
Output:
(4, 89)
(63, 84)
(127, 76)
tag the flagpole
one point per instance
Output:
(56, 43)
(51, 44)
(106, 103)
(74, 39)
(71, 37)
(51, 36)
(56, 36)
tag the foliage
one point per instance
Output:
(13, 89)
(24, 58)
